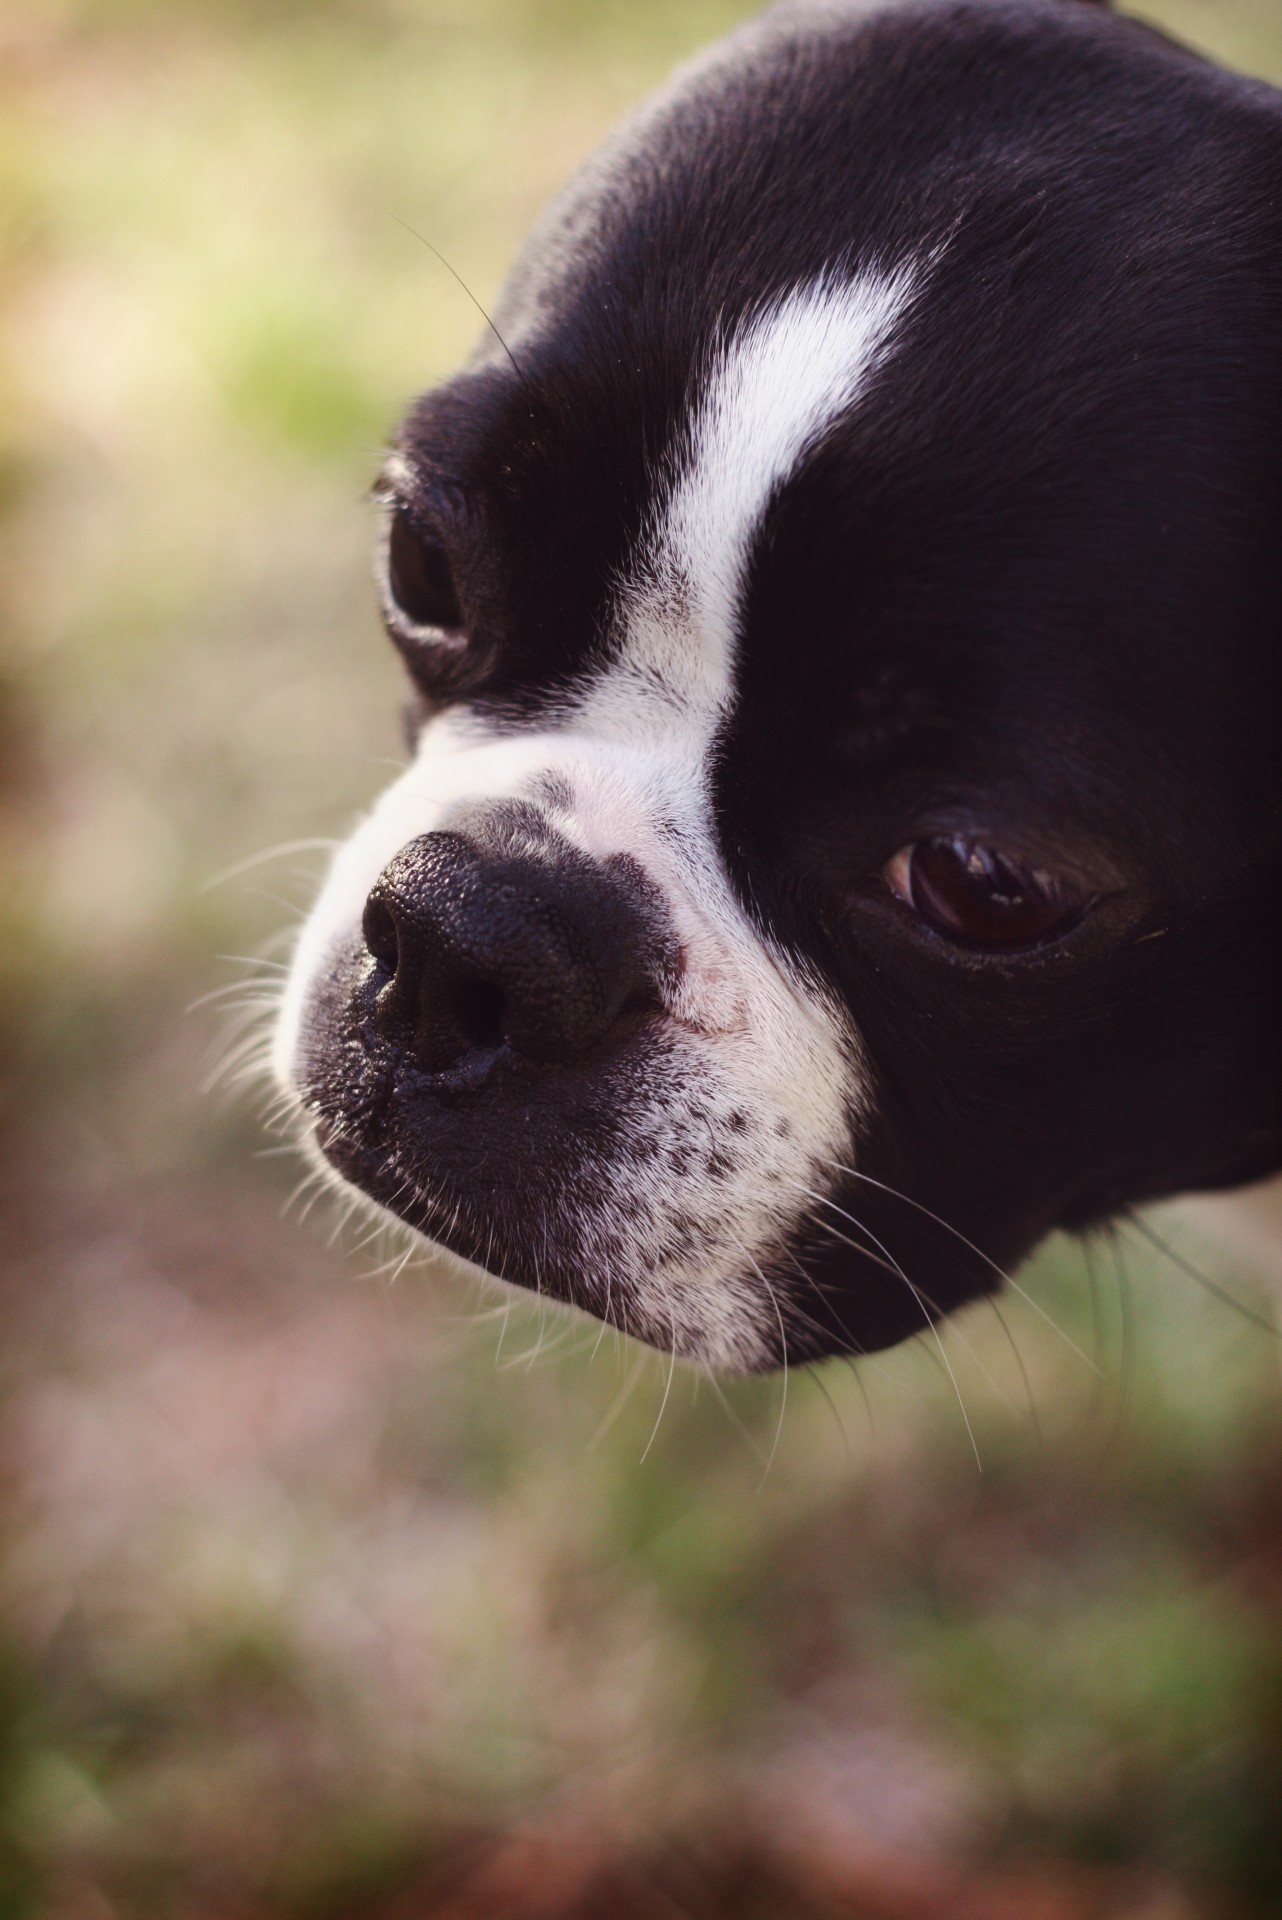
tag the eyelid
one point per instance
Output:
(396, 482)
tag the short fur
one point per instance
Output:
(886, 446)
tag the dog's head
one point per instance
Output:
(841, 841)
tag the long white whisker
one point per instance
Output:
(959, 1332)
(239, 867)
(977, 1251)
(818, 1380)
(855, 1353)
(241, 993)
(925, 1316)
(672, 1367)
(620, 1402)
(1126, 1369)
(736, 1420)
(1191, 1272)
(783, 1398)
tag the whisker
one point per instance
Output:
(737, 1420)
(313, 1184)
(818, 1380)
(1192, 1272)
(783, 1398)
(507, 1321)
(852, 1350)
(925, 1316)
(1097, 1335)
(375, 1231)
(620, 1401)
(244, 1060)
(239, 867)
(471, 296)
(246, 993)
(893, 1268)
(401, 1264)
(260, 960)
(1126, 1371)
(537, 1349)
(979, 1253)
(543, 1348)
(1029, 1397)
(890, 1265)
(856, 1372)
(667, 1388)
(509, 1302)
(605, 1321)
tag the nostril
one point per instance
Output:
(479, 1010)
(379, 928)
(478, 961)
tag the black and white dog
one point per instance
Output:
(842, 600)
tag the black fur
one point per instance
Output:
(1032, 589)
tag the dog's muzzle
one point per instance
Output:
(472, 1050)
(579, 1070)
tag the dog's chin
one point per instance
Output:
(820, 1297)
(451, 1226)
(727, 1331)
(548, 1275)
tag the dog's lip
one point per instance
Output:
(376, 1174)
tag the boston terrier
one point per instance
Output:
(841, 604)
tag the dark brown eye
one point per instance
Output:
(977, 897)
(420, 584)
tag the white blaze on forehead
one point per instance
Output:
(770, 394)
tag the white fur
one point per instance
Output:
(774, 391)
(743, 1023)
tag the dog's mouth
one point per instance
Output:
(611, 1182)
(436, 1157)
(378, 1173)
(556, 1225)
(571, 1231)
(631, 1183)
(521, 1245)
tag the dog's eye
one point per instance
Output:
(980, 898)
(420, 584)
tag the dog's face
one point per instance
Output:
(842, 840)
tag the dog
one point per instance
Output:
(841, 602)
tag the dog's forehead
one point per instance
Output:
(830, 129)
(764, 398)
(826, 295)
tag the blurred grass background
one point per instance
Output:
(331, 1595)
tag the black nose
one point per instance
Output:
(548, 956)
